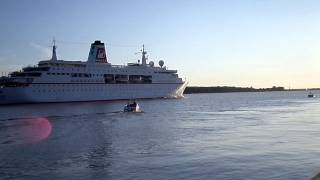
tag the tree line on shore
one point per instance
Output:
(223, 89)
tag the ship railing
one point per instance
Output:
(119, 66)
(62, 63)
(5, 74)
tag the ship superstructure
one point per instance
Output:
(92, 80)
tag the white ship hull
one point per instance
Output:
(42, 93)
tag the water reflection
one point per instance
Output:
(99, 156)
(208, 136)
(77, 146)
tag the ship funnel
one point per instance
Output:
(97, 53)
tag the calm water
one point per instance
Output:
(273, 135)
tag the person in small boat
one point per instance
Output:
(131, 106)
(134, 104)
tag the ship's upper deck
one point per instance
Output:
(94, 70)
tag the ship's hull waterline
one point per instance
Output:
(47, 93)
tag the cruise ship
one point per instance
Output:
(93, 80)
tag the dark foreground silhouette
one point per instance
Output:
(316, 177)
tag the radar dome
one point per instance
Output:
(161, 63)
(151, 63)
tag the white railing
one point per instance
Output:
(6, 74)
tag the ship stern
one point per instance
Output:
(10, 95)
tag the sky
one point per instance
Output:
(259, 43)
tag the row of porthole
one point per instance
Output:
(87, 80)
(66, 69)
(78, 89)
(61, 85)
(71, 90)
(74, 85)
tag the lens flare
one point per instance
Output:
(36, 130)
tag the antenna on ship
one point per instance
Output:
(144, 58)
(54, 54)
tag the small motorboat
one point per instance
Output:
(311, 95)
(132, 107)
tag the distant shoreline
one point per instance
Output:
(230, 89)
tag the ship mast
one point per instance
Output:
(54, 54)
(144, 58)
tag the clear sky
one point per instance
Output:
(259, 43)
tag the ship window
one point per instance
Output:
(134, 79)
(29, 69)
(146, 79)
(109, 78)
(121, 79)
(36, 74)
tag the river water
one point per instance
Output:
(269, 135)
